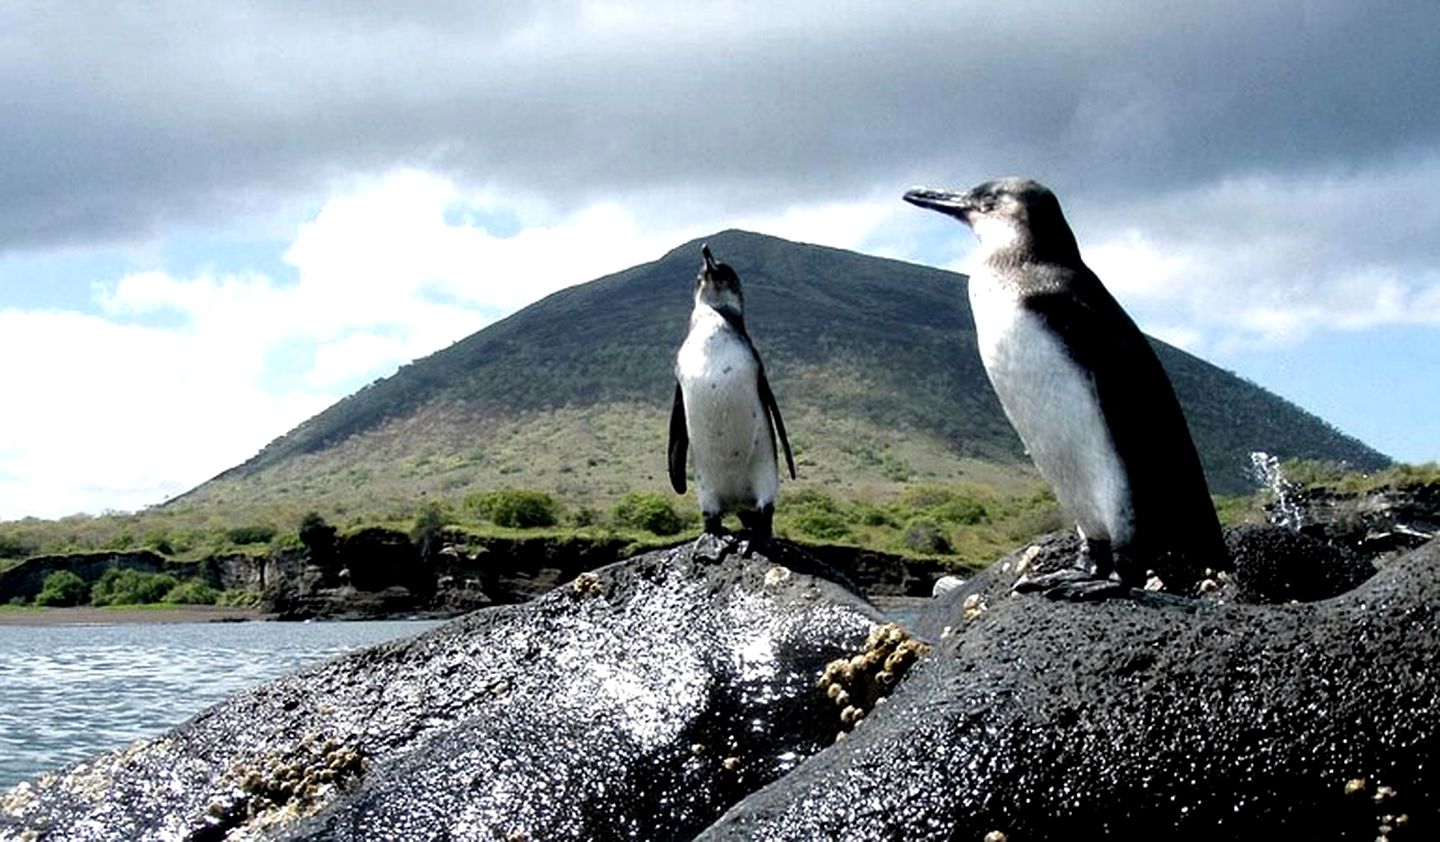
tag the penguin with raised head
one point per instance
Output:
(1086, 394)
(724, 412)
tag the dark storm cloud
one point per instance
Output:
(121, 118)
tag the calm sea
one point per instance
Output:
(67, 692)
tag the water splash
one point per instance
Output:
(1286, 510)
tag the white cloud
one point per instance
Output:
(1263, 262)
(101, 415)
(174, 379)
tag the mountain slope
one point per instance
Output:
(873, 362)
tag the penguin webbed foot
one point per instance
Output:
(1073, 585)
(715, 546)
(1093, 578)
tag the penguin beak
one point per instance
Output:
(709, 258)
(951, 204)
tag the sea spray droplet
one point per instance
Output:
(1286, 511)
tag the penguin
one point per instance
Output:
(724, 410)
(1087, 395)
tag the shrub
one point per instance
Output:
(946, 506)
(192, 592)
(924, 536)
(817, 515)
(515, 509)
(63, 588)
(126, 586)
(650, 512)
(870, 514)
(255, 533)
(14, 546)
(317, 535)
(432, 518)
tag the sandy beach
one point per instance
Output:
(87, 615)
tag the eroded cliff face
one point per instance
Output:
(377, 573)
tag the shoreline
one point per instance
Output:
(87, 615)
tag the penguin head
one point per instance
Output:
(717, 286)
(1006, 214)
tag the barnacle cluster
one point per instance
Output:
(294, 783)
(856, 683)
(588, 584)
(1390, 820)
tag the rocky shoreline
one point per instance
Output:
(90, 616)
(696, 692)
(383, 574)
(701, 692)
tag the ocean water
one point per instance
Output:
(68, 692)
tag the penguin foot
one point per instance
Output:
(715, 546)
(1072, 585)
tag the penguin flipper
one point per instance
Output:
(767, 400)
(679, 442)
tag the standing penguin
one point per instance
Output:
(1086, 394)
(724, 409)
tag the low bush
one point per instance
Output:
(817, 515)
(63, 588)
(925, 536)
(255, 533)
(14, 546)
(945, 506)
(192, 592)
(126, 586)
(317, 535)
(650, 512)
(433, 518)
(515, 509)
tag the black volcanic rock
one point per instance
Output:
(638, 701)
(1281, 565)
(1146, 718)
(644, 700)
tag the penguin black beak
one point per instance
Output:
(944, 201)
(709, 258)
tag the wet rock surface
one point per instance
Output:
(682, 694)
(1150, 717)
(640, 701)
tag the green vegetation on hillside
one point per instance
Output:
(965, 524)
(1333, 477)
(554, 419)
(968, 524)
(873, 362)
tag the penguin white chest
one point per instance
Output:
(1052, 403)
(729, 431)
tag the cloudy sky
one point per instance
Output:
(217, 219)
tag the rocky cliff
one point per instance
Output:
(377, 573)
